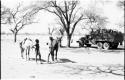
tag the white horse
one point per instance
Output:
(26, 45)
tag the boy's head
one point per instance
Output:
(37, 41)
(51, 38)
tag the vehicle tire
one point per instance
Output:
(106, 45)
(115, 46)
(81, 45)
(88, 45)
(99, 45)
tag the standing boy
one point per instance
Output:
(37, 51)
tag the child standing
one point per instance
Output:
(37, 51)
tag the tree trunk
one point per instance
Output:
(68, 40)
(15, 37)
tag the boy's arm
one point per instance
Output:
(33, 46)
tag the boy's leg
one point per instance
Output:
(56, 54)
(48, 56)
(40, 56)
(36, 55)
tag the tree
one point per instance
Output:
(4, 14)
(121, 4)
(51, 30)
(60, 31)
(94, 21)
(67, 13)
(18, 18)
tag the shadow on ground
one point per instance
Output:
(118, 49)
(64, 60)
(34, 59)
(114, 51)
(96, 70)
(70, 47)
(94, 48)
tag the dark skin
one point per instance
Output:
(22, 50)
(37, 51)
(53, 47)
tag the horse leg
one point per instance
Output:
(52, 55)
(22, 51)
(21, 48)
(28, 53)
(48, 57)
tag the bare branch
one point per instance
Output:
(51, 30)
(94, 20)
(12, 30)
(17, 10)
(59, 10)
(72, 9)
(54, 12)
(66, 10)
(79, 19)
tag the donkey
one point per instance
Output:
(26, 45)
(53, 46)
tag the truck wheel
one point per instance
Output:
(115, 46)
(81, 45)
(106, 46)
(88, 45)
(99, 45)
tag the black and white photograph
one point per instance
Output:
(62, 39)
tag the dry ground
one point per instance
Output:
(73, 63)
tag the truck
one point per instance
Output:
(103, 38)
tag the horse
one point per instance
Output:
(53, 46)
(26, 45)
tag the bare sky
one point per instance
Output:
(107, 8)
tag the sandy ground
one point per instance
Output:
(73, 63)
